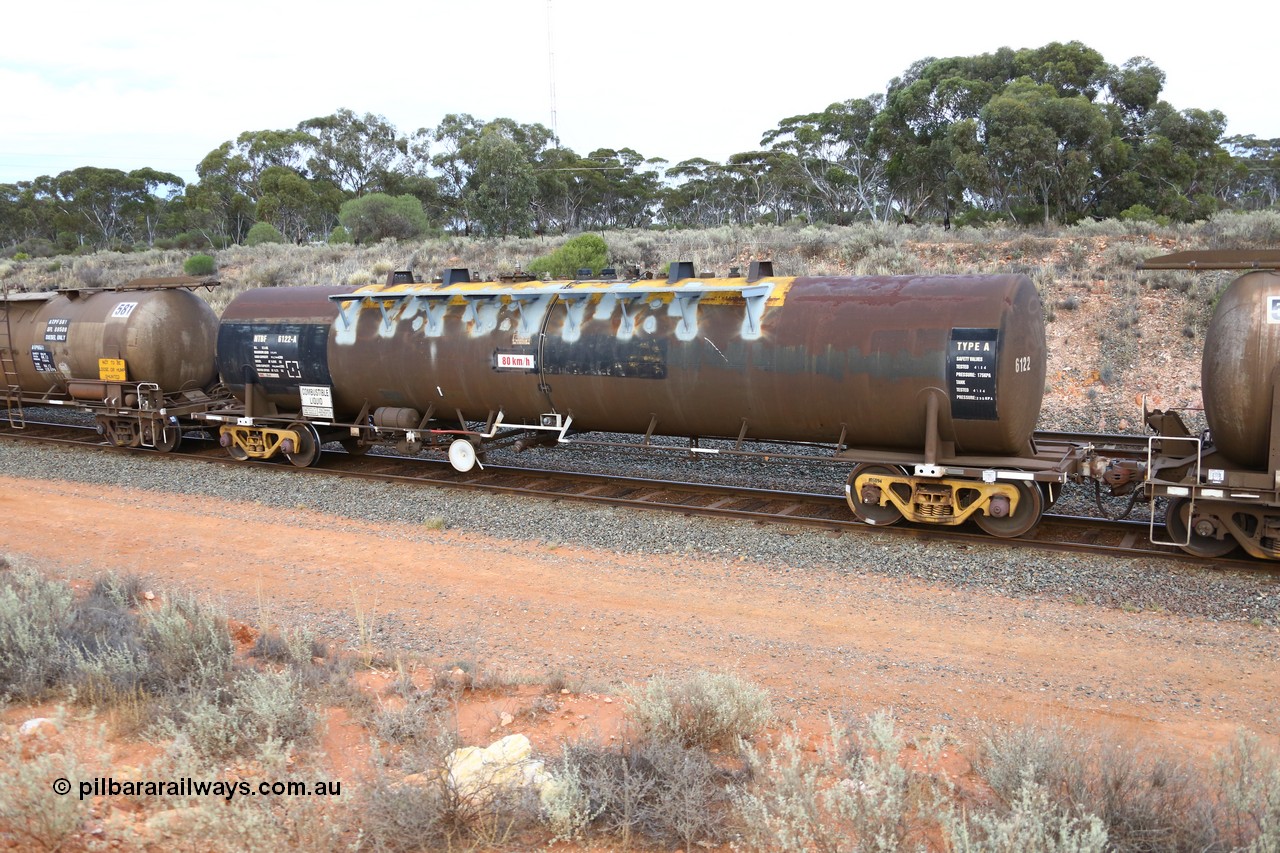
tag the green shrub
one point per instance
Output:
(185, 240)
(1258, 229)
(705, 709)
(794, 806)
(1032, 823)
(418, 721)
(420, 807)
(1144, 800)
(188, 647)
(294, 647)
(1142, 213)
(252, 824)
(30, 817)
(263, 232)
(654, 790)
(36, 247)
(35, 613)
(199, 265)
(586, 251)
(255, 708)
(861, 239)
(100, 647)
(378, 216)
(1249, 782)
(339, 235)
(270, 274)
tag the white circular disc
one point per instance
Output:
(462, 455)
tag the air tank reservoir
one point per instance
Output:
(1239, 371)
(799, 359)
(65, 342)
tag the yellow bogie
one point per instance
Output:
(1002, 509)
(257, 442)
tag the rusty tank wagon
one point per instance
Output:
(927, 387)
(138, 356)
(1222, 488)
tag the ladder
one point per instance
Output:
(9, 368)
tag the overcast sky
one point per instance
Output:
(161, 84)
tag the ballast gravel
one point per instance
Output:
(779, 554)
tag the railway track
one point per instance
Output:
(1065, 533)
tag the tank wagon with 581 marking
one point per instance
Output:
(138, 356)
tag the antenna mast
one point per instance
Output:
(551, 76)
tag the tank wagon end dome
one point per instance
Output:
(1242, 366)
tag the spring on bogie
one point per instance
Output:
(933, 502)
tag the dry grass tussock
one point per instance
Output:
(865, 248)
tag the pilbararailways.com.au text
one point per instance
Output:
(106, 786)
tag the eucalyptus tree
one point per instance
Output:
(458, 153)
(20, 215)
(106, 207)
(1031, 147)
(453, 160)
(290, 203)
(623, 189)
(1170, 161)
(225, 199)
(768, 185)
(241, 163)
(914, 128)
(841, 156)
(1256, 177)
(563, 187)
(502, 186)
(701, 196)
(354, 153)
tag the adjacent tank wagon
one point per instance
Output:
(138, 356)
(1223, 487)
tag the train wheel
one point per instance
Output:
(114, 434)
(866, 506)
(462, 455)
(1025, 517)
(168, 439)
(307, 453)
(1176, 519)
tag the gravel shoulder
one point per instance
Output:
(942, 635)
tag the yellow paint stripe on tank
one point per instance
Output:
(659, 287)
